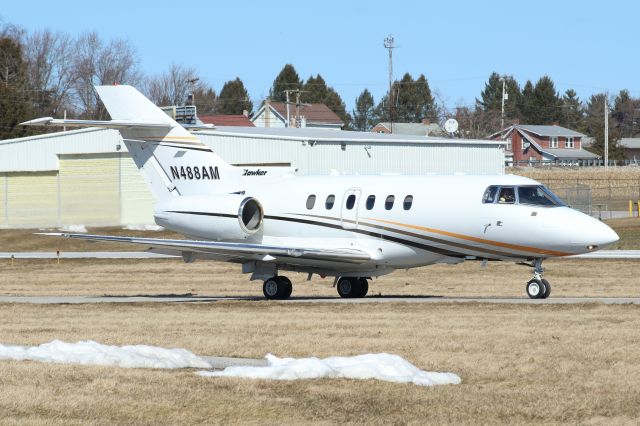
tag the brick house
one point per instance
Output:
(240, 120)
(543, 144)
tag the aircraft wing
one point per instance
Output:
(244, 250)
(110, 124)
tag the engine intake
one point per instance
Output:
(226, 217)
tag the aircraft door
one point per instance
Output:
(349, 209)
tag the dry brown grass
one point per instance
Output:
(519, 364)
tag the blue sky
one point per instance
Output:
(588, 45)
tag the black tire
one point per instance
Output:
(535, 288)
(271, 288)
(547, 289)
(348, 287)
(364, 287)
(286, 288)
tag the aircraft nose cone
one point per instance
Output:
(605, 236)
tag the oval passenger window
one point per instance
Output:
(408, 201)
(351, 201)
(331, 199)
(311, 201)
(388, 204)
(371, 201)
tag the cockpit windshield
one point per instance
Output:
(532, 195)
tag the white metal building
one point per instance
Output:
(87, 177)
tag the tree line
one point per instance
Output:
(46, 73)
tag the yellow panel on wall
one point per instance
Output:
(3, 199)
(89, 189)
(31, 199)
(137, 201)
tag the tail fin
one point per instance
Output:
(173, 161)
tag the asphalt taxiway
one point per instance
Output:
(370, 299)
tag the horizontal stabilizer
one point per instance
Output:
(243, 250)
(109, 124)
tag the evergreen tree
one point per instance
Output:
(364, 113)
(546, 102)
(15, 106)
(316, 91)
(594, 127)
(527, 112)
(626, 114)
(491, 97)
(234, 98)
(413, 100)
(287, 79)
(571, 110)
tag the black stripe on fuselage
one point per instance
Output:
(402, 241)
(421, 236)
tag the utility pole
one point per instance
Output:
(505, 96)
(288, 102)
(298, 104)
(389, 44)
(193, 82)
(606, 132)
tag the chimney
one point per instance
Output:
(245, 113)
(267, 112)
(426, 121)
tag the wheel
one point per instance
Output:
(349, 287)
(535, 288)
(547, 289)
(287, 287)
(278, 288)
(364, 287)
(270, 288)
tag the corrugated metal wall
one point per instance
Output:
(3, 199)
(89, 189)
(363, 158)
(136, 200)
(31, 199)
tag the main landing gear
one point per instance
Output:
(538, 287)
(352, 287)
(277, 288)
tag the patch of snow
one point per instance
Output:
(89, 352)
(383, 366)
(74, 228)
(147, 227)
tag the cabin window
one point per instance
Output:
(351, 201)
(311, 201)
(371, 201)
(388, 203)
(408, 201)
(507, 195)
(490, 195)
(331, 199)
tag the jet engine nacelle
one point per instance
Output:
(229, 217)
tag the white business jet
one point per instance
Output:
(348, 227)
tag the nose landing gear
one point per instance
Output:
(538, 287)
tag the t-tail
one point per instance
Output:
(173, 161)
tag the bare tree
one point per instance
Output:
(49, 59)
(174, 86)
(97, 63)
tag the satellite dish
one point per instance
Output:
(451, 125)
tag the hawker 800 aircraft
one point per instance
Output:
(352, 228)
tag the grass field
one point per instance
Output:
(519, 364)
(542, 364)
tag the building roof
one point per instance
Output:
(418, 129)
(226, 120)
(543, 131)
(630, 143)
(314, 113)
(570, 154)
(312, 134)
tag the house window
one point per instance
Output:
(569, 143)
(510, 144)
(553, 143)
(532, 160)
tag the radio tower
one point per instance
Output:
(389, 44)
